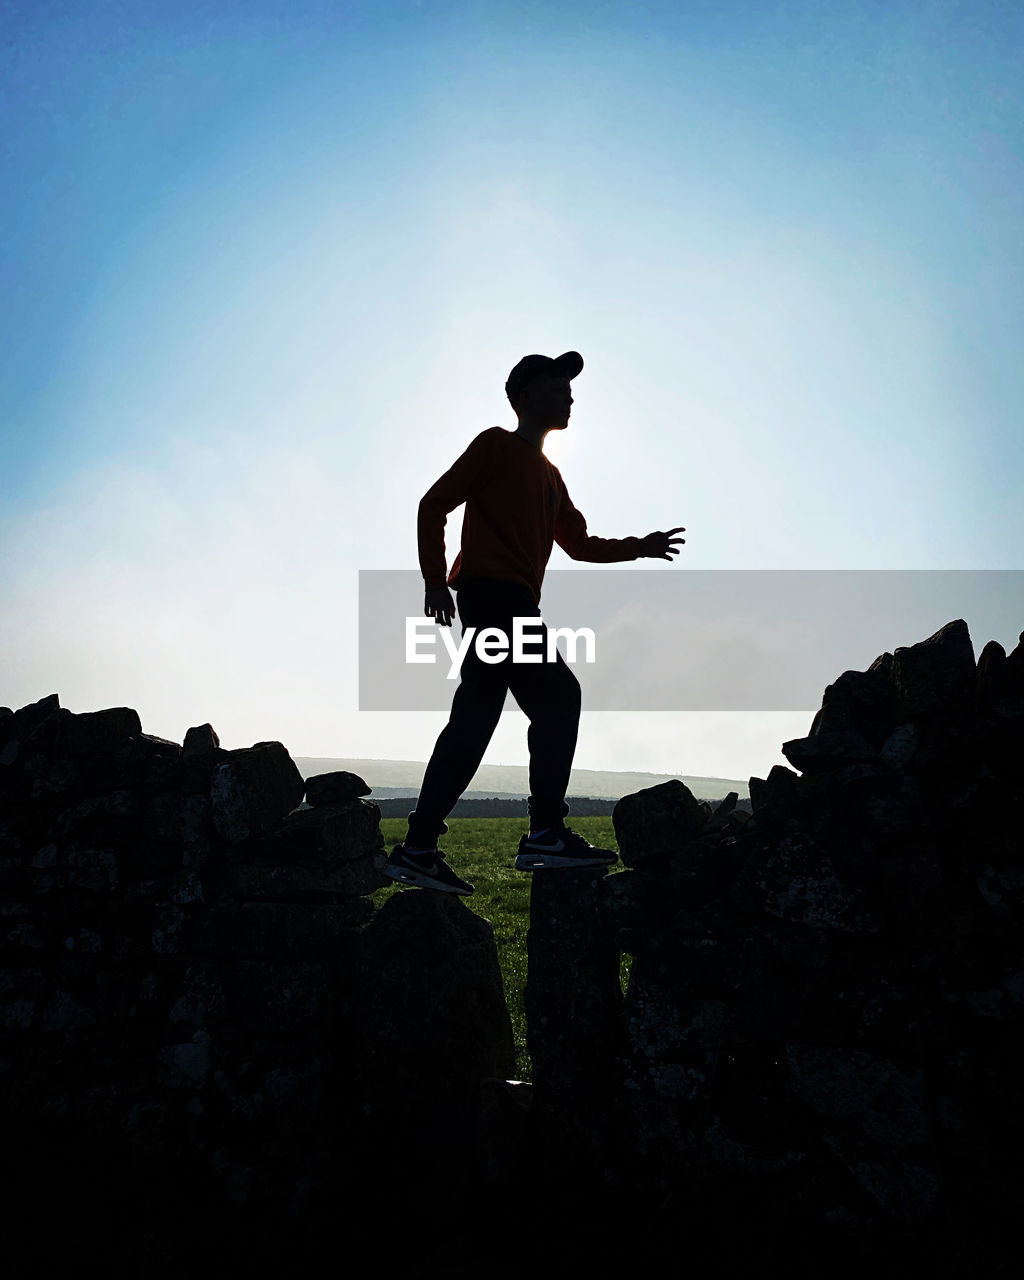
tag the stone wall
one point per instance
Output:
(216, 1045)
(824, 1016)
(210, 1033)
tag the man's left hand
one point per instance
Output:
(662, 546)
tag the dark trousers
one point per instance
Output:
(547, 692)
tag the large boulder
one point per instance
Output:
(824, 751)
(432, 1019)
(33, 714)
(657, 821)
(422, 1023)
(573, 994)
(937, 674)
(1001, 679)
(97, 732)
(863, 702)
(319, 838)
(780, 785)
(199, 740)
(335, 788)
(253, 789)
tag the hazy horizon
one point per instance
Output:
(404, 777)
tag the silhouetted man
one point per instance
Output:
(516, 507)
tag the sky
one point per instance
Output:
(267, 265)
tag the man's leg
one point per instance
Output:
(549, 695)
(476, 710)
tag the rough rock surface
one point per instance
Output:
(253, 789)
(334, 788)
(202, 1034)
(824, 1021)
(209, 1032)
(431, 1012)
(652, 822)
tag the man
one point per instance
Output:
(516, 507)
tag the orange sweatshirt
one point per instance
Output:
(517, 505)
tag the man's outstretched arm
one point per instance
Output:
(571, 535)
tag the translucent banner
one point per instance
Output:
(685, 640)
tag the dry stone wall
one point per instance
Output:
(208, 1027)
(212, 1032)
(824, 1020)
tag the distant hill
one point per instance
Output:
(403, 778)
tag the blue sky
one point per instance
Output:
(266, 268)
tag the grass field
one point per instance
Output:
(482, 851)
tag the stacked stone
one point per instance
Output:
(825, 1014)
(822, 1026)
(174, 934)
(100, 874)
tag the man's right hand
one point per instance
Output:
(440, 605)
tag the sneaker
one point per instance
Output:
(426, 868)
(561, 847)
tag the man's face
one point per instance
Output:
(549, 401)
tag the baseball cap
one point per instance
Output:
(531, 368)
